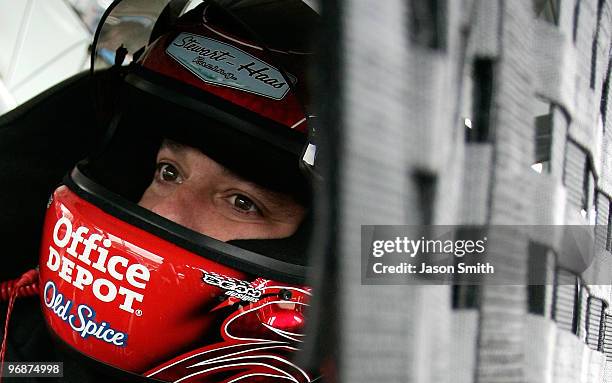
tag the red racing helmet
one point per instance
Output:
(145, 296)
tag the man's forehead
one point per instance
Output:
(271, 196)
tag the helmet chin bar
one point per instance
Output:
(109, 282)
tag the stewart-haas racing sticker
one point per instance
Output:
(234, 287)
(225, 65)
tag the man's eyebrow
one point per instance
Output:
(171, 145)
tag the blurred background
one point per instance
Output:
(43, 42)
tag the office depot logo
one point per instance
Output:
(76, 253)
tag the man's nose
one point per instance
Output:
(190, 210)
(180, 208)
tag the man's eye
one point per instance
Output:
(243, 203)
(169, 173)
